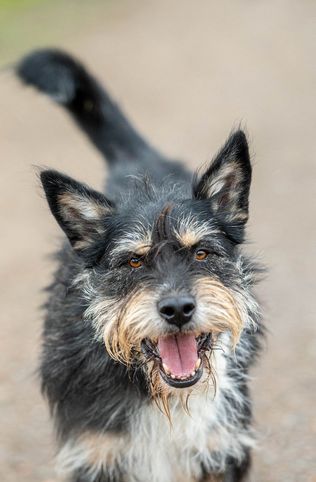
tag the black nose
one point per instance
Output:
(177, 310)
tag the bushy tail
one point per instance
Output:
(67, 82)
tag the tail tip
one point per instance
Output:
(52, 72)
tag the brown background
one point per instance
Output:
(186, 72)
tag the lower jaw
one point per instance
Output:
(182, 383)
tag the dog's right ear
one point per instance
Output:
(80, 211)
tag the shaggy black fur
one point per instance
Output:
(89, 391)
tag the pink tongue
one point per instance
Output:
(179, 353)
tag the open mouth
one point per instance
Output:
(179, 357)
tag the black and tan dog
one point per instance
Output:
(151, 324)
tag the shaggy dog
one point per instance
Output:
(151, 323)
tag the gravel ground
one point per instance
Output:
(187, 72)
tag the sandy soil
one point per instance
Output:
(187, 72)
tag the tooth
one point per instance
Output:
(173, 376)
(192, 374)
(166, 369)
(198, 363)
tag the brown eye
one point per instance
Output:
(201, 254)
(135, 263)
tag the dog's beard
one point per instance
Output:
(134, 334)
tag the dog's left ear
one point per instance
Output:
(226, 182)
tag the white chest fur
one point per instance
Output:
(161, 452)
(210, 433)
(157, 451)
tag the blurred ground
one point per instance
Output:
(186, 72)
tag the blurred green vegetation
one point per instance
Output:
(15, 4)
(27, 24)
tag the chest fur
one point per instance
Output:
(155, 449)
(167, 451)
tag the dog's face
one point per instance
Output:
(163, 276)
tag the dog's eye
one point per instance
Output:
(201, 254)
(135, 262)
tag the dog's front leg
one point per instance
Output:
(238, 472)
(213, 478)
(87, 475)
(235, 472)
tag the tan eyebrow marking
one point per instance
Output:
(138, 243)
(190, 231)
(188, 238)
(142, 249)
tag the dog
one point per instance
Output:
(151, 323)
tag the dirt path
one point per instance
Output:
(187, 72)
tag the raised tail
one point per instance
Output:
(67, 82)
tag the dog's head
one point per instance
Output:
(162, 273)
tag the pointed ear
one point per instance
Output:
(80, 211)
(226, 182)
